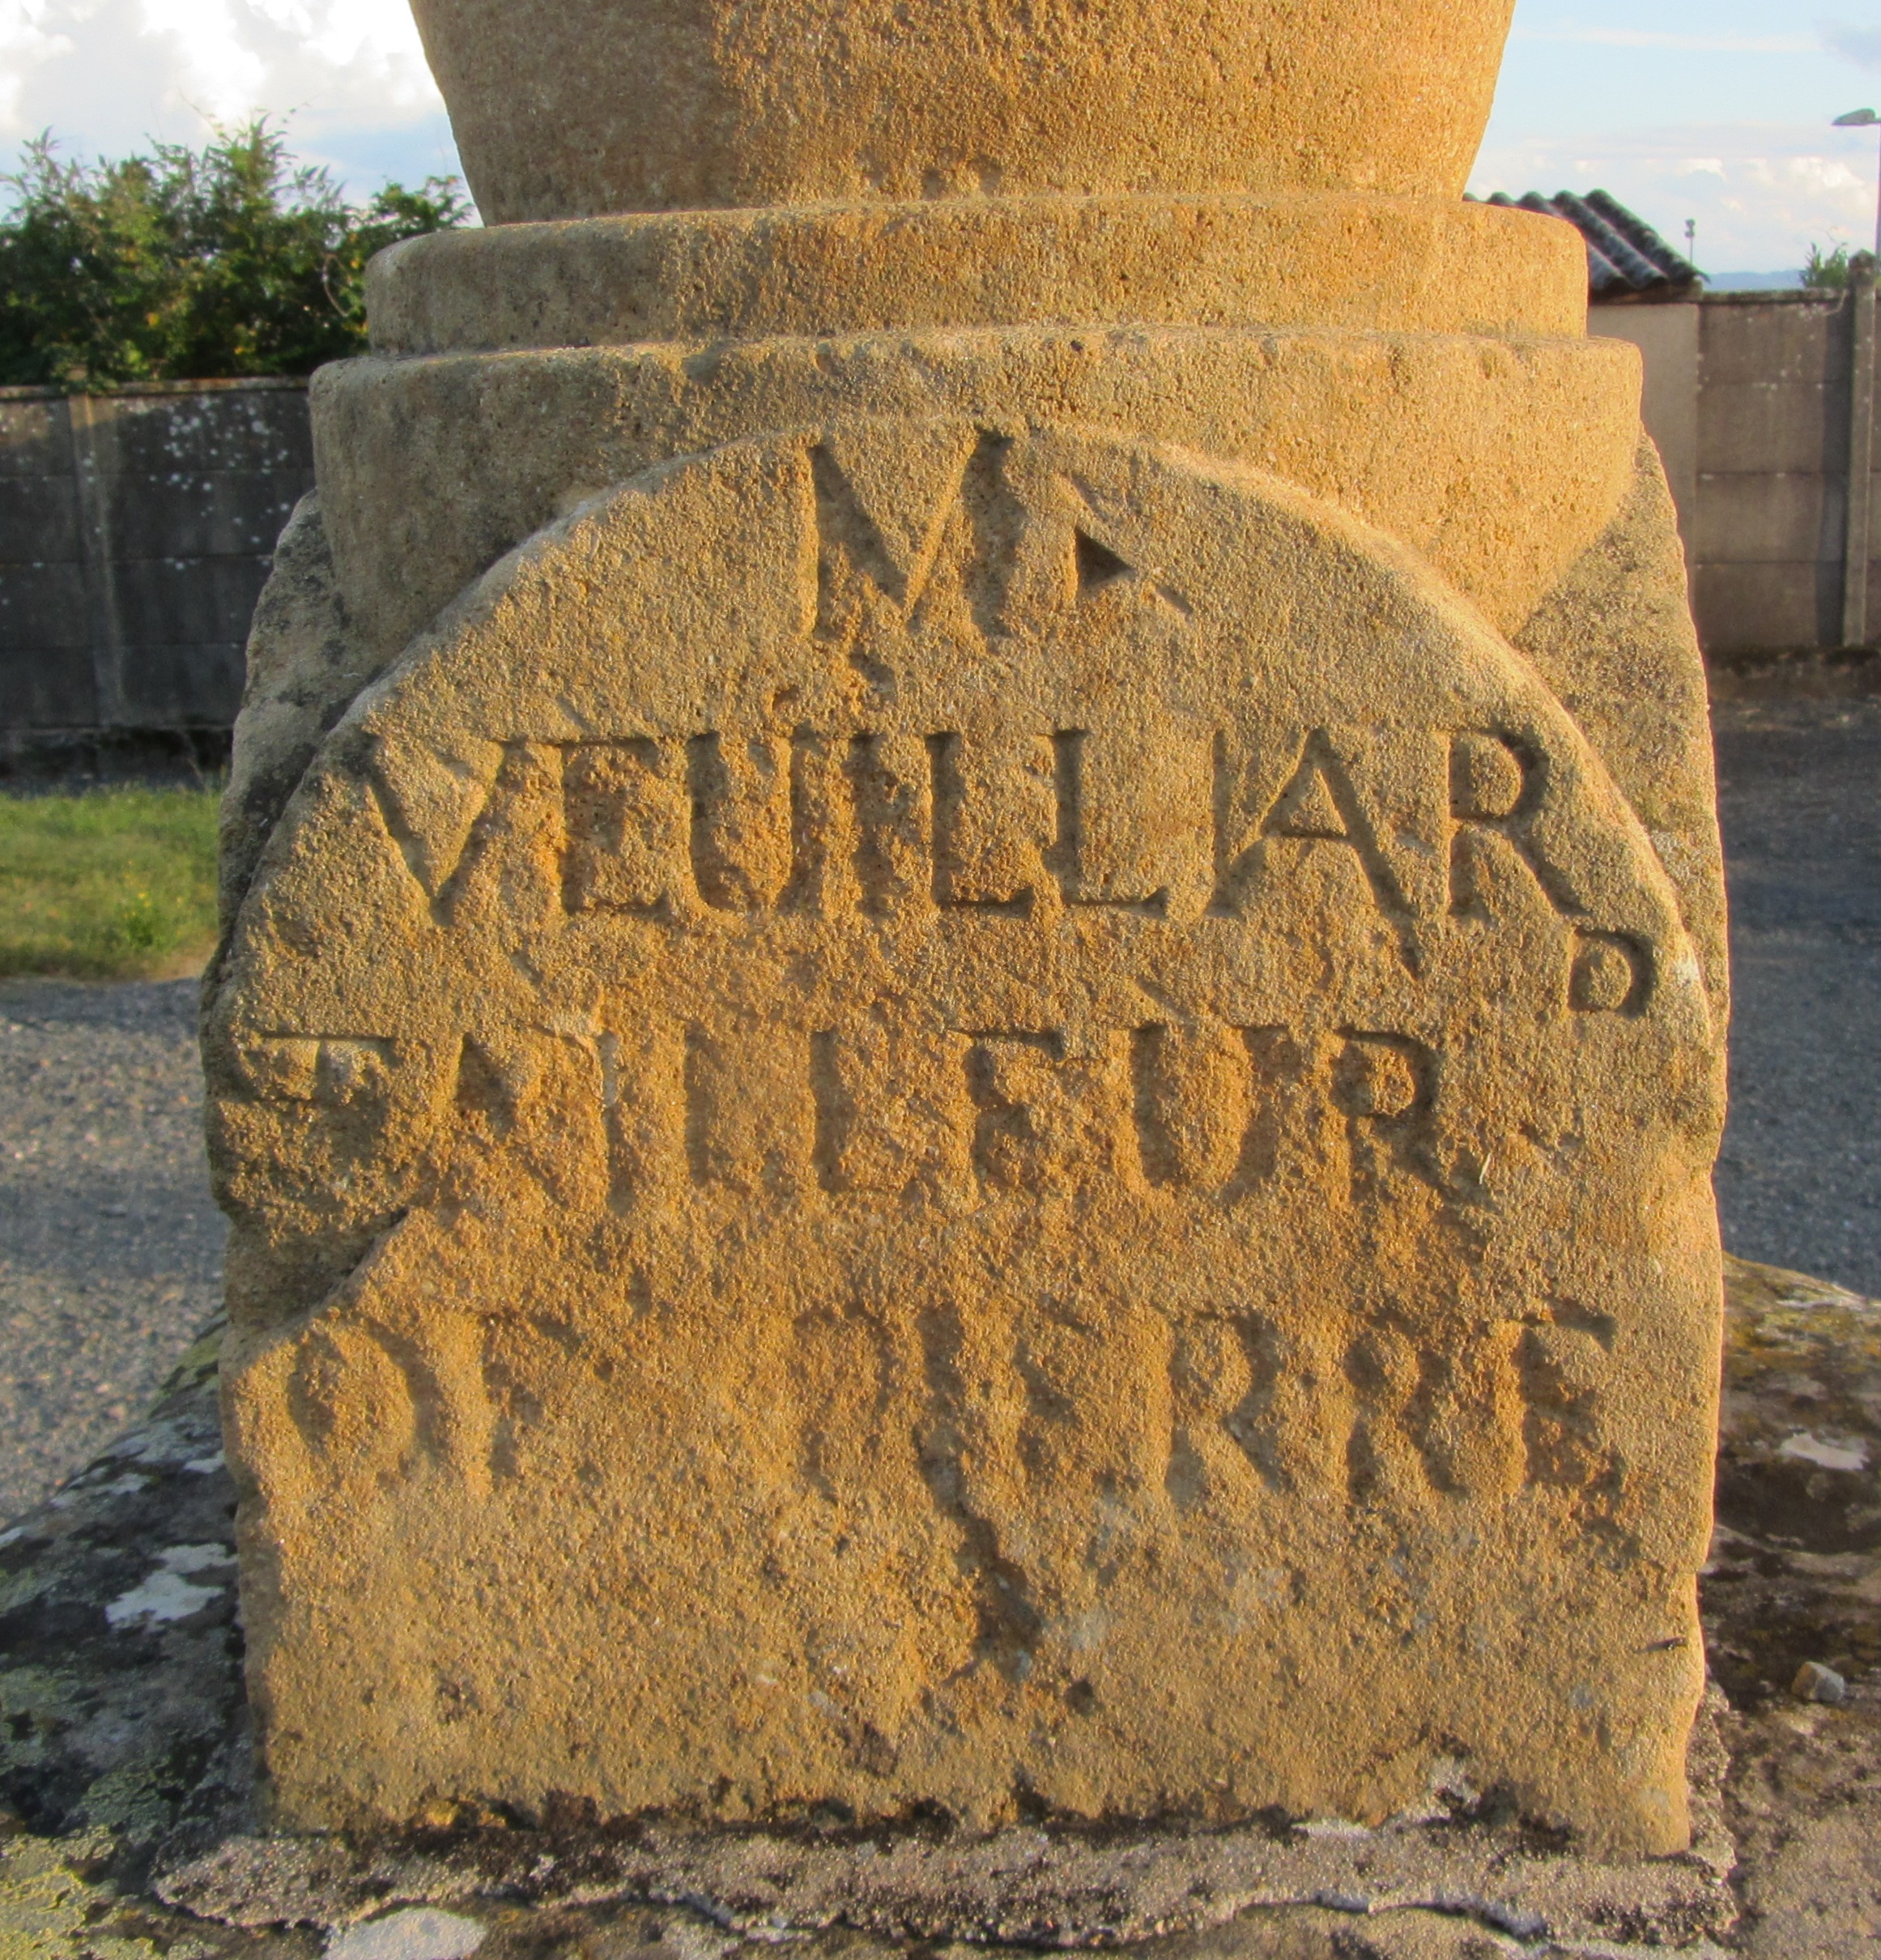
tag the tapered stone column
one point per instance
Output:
(973, 1026)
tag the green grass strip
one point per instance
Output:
(108, 885)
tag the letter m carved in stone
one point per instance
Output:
(883, 513)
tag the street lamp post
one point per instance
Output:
(1863, 119)
(1855, 550)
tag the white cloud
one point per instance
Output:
(26, 44)
(106, 75)
(1761, 196)
(215, 72)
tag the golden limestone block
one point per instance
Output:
(973, 1016)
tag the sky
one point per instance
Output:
(1711, 110)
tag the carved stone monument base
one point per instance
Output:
(973, 1018)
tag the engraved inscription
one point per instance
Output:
(741, 841)
(1195, 1092)
(933, 543)
(383, 1401)
(1498, 786)
(890, 1109)
(960, 537)
(1369, 1409)
(879, 532)
(991, 825)
(1386, 1085)
(890, 780)
(1031, 1129)
(823, 822)
(336, 1070)
(1498, 795)
(1612, 973)
(1075, 860)
(1033, 1041)
(818, 820)
(429, 800)
(889, 1102)
(625, 814)
(1317, 809)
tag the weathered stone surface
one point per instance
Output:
(617, 105)
(1220, 261)
(954, 1090)
(304, 667)
(1500, 462)
(906, 1070)
(1615, 642)
(1611, 634)
(1024, 1888)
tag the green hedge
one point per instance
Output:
(190, 264)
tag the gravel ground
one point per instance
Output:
(111, 1247)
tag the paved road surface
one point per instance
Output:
(1799, 1180)
(110, 1247)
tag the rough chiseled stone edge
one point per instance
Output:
(1038, 1888)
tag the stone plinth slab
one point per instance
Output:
(1429, 266)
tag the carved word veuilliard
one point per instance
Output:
(892, 826)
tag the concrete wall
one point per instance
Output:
(135, 530)
(1747, 397)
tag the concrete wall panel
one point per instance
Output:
(1760, 387)
(39, 520)
(211, 429)
(45, 689)
(1751, 609)
(195, 684)
(1772, 518)
(1774, 425)
(177, 602)
(135, 532)
(226, 514)
(43, 607)
(33, 438)
(1773, 340)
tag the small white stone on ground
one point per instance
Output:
(1826, 1456)
(418, 1932)
(1816, 1683)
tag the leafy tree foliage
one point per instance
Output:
(184, 265)
(1827, 270)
